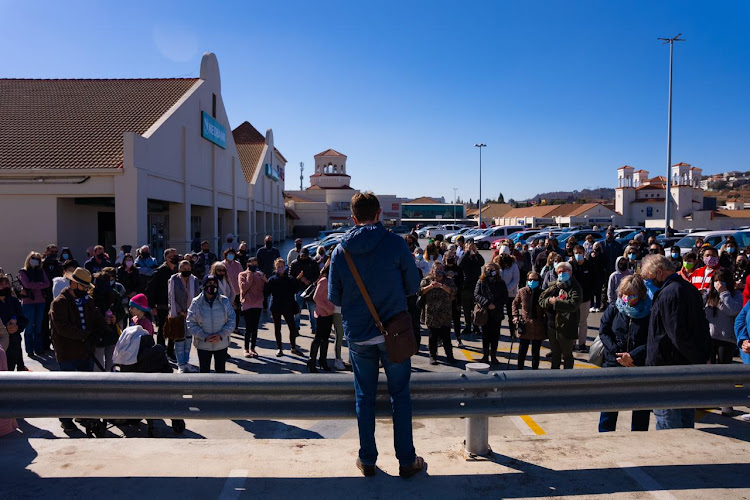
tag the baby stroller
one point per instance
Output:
(137, 352)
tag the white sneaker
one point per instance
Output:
(339, 364)
(181, 369)
(592, 309)
(745, 417)
(596, 310)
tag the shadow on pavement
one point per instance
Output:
(272, 429)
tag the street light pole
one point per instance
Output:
(668, 183)
(454, 205)
(480, 146)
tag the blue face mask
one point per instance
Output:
(532, 284)
(675, 255)
(631, 256)
(579, 257)
(651, 287)
(730, 249)
(230, 257)
(563, 277)
(420, 256)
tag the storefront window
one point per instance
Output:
(432, 211)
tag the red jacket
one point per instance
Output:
(701, 278)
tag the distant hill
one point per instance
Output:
(573, 196)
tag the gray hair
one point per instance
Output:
(563, 266)
(652, 262)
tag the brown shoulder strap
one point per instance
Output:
(363, 290)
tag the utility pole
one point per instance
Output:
(454, 205)
(301, 169)
(668, 200)
(480, 145)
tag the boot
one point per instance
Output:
(313, 354)
(323, 356)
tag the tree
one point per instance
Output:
(501, 198)
(471, 203)
(512, 203)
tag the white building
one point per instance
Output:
(326, 204)
(127, 161)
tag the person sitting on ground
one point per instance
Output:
(623, 333)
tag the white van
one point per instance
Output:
(484, 241)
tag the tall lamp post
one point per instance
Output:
(454, 205)
(480, 145)
(668, 183)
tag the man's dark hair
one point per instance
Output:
(168, 251)
(365, 206)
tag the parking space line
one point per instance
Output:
(535, 428)
(234, 485)
(521, 426)
(468, 354)
(647, 482)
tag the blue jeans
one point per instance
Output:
(608, 420)
(33, 333)
(182, 350)
(365, 360)
(675, 419)
(302, 303)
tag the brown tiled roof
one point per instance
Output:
(660, 187)
(563, 210)
(330, 152)
(425, 200)
(585, 207)
(624, 167)
(291, 214)
(250, 144)
(737, 214)
(315, 186)
(78, 124)
(296, 198)
(495, 210)
(538, 211)
(681, 164)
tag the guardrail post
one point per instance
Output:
(477, 428)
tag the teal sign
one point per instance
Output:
(213, 130)
(275, 173)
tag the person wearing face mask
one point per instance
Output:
(584, 275)
(633, 255)
(491, 294)
(675, 255)
(306, 271)
(282, 288)
(740, 274)
(219, 270)
(211, 321)
(206, 259)
(14, 322)
(624, 333)
(510, 275)
(562, 303)
(422, 265)
(723, 304)
(701, 278)
(157, 292)
(98, 261)
(243, 254)
(728, 253)
(228, 243)
(471, 264)
(75, 322)
(107, 300)
(598, 276)
(622, 270)
(234, 268)
(251, 285)
(267, 255)
(437, 291)
(678, 330)
(129, 276)
(456, 274)
(548, 273)
(688, 266)
(65, 255)
(53, 269)
(183, 287)
(35, 284)
(146, 264)
(63, 282)
(531, 324)
(111, 273)
(294, 252)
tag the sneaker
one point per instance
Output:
(339, 364)
(253, 353)
(412, 469)
(596, 310)
(460, 344)
(279, 353)
(433, 361)
(592, 309)
(745, 417)
(191, 369)
(181, 369)
(297, 351)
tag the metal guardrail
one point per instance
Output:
(324, 396)
(473, 395)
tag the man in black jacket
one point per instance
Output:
(14, 322)
(678, 330)
(157, 292)
(205, 258)
(471, 264)
(305, 271)
(584, 275)
(53, 269)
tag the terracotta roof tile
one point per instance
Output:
(425, 200)
(585, 207)
(292, 214)
(78, 124)
(330, 152)
(538, 211)
(250, 155)
(245, 133)
(738, 214)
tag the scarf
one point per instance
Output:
(640, 310)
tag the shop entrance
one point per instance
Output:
(106, 232)
(158, 226)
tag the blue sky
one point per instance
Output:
(562, 92)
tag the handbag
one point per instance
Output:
(309, 292)
(174, 328)
(596, 352)
(481, 315)
(398, 330)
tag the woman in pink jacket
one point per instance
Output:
(251, 283)
(324, 315)
(35, 286)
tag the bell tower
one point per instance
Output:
(330, 170)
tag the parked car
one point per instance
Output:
(324, 234)
(713, 238)
(422, 232)
(484, 242)
(524, 235)
(580, 236)
(444, 229)
(450, 237)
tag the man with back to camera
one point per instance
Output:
(678, 332)
(389, 274)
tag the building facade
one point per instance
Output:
(125, 162)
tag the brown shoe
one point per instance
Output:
(367, 470)
(412, 469)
